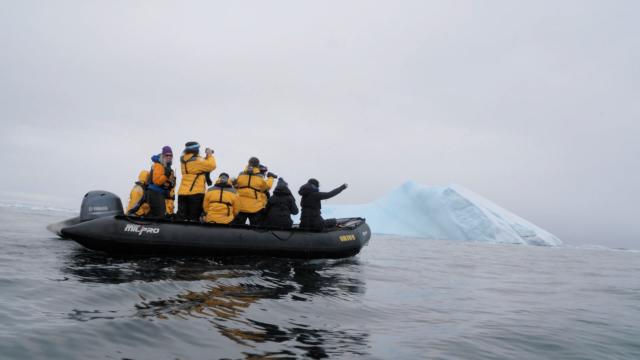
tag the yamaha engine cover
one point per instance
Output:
(97, 204)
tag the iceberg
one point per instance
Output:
(444, 213)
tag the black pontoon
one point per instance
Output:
(102, 226)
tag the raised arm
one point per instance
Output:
(332, 193)
(204, 166)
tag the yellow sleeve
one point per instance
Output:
(159, 178)
(204, 166)
(268, 184)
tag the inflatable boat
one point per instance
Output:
(102, 226)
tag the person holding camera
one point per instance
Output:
(311, 218)
(159, 182)
(253, 184)
(195, 172)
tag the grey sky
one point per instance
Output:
(531, 104)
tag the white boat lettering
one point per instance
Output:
(141, 229)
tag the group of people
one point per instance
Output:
(228, 200)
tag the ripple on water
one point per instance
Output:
(401, 298)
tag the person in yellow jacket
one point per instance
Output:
(138, 205)
(159, 182)
(253, 186)
(221, 202)
(195, 172)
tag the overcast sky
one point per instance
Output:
(534, 105)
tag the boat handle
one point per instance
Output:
(282, 239)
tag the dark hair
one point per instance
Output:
(223, 179)
(192, 147)
(254, 161)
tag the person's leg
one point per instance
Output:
(240, 219)
(180, 214)
(195, 207)
(330, 223)
(156, 202)
(188, 208)
(312, 223)
(200, 199)
(255, 219)
(182, 207)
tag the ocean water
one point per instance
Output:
(401, 298)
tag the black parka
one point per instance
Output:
(311, 208)
(280, 207)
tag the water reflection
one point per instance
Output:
(230, 293)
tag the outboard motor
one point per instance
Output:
(98, 203)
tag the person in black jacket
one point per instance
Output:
(280, 207)
(310, 203)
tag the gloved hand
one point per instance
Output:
(345, 186)
(167, 171)
(208, 151)
(272, 175)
